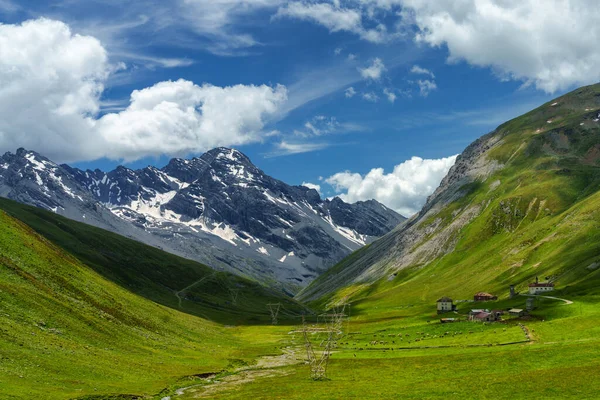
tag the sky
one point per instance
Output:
(356, 98)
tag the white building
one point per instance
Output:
(537, 288)
(445, 304)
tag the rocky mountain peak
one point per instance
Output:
(218, 208)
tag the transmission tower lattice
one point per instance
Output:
(334, 324)
(234, 295)
(274, 310)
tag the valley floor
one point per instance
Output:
(412, 355)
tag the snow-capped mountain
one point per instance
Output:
(219, 209)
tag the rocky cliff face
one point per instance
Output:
(219, 209)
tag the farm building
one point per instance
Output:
(516, 312)
(448, 320)
(540, 287)
(484, 316)
(477, 311)
(445, 304)
(483, 296)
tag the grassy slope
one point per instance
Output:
(66, 331)
(153, 273)
(540, 216)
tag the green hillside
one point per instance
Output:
(536, 214)
(152, 273)
(66, 331)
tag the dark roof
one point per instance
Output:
(547, 284)
(445, 299)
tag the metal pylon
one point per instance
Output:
(274, 310)
(234, 295)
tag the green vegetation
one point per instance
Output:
(152, 273)
(87, 314)
(66, 331)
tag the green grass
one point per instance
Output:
(66, 331)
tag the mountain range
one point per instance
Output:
(219, 209)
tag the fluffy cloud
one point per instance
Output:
(391, 96)
(374, 71)
(426, 86)
(350, 92)
(312, 186)
(181, 117)
(370, 96)
(422, 71)
(405, 189)
(553, 45)
(51, 82)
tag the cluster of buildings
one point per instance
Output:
(446, 304)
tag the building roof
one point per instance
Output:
(515, 310)
(484, 294)
(546, 284)
(445, 299)
(482, 315)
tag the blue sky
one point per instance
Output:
(313, 126)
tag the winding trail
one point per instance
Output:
(549, 297)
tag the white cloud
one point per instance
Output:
(405, 189)
(217, 21)
(337, 51)
(335, 18)
(374, 71)
(321, 125)
(181, 117)
(350, 92)
(370, 96)
(312, 186)
(426, 86)
(552, 45)
(422, 71)
(284, 148)
(51, 82)
(391, 96)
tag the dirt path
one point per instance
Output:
(549, 297)
(266, 367)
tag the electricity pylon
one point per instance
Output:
(274, 310)
(234, 295)
(334, 325)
